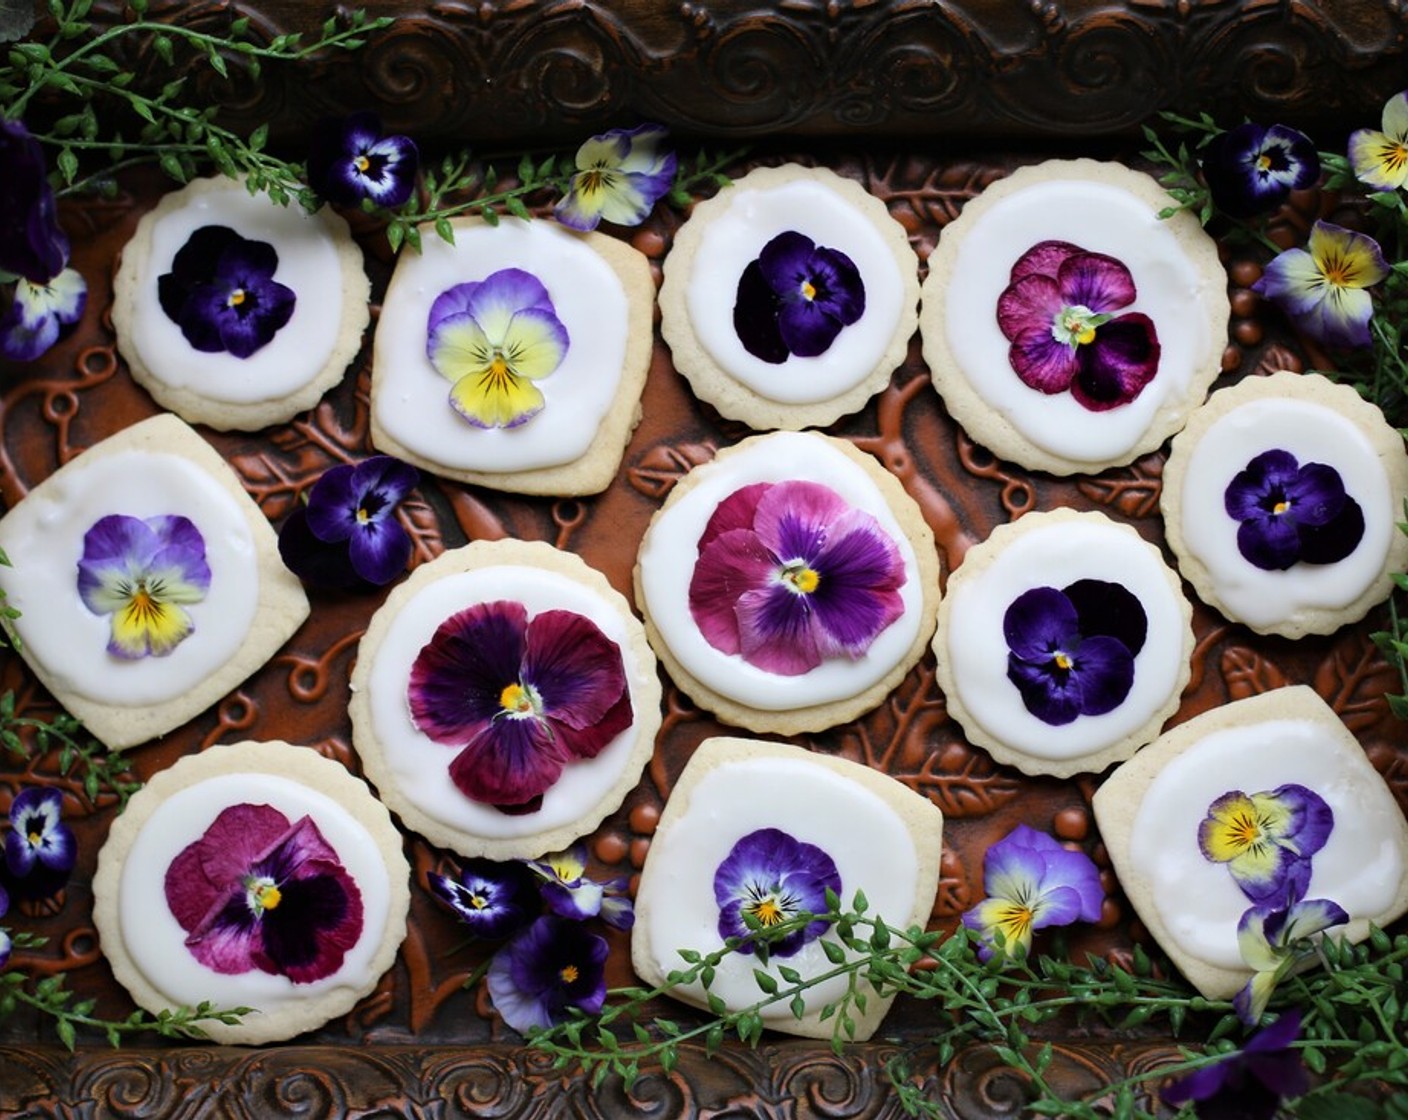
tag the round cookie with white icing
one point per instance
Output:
(504, 700)
(257, 875)
(789, 584)
(745, 816)
(1063, 642)
(1068, 327)
(1281, 500)
(236, 312)
(514, 358)
(789, 298)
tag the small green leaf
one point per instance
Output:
(765, 981)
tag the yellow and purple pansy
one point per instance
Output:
(620, 176)
(770, 877)
(570, 893)
(1323, 288)
(1267, 839)
(1292, 512)
(1273, 940)
(795, 298)
(1379, 156)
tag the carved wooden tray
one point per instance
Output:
(923, 103)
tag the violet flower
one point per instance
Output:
(1248, 1084)
(520, 698)
(1251, 169)
(620, 176)
(1267, 839)
(347, 534)
(770, 877)
(795, 299)
(569, 893)
(38, 313)
(222, 293)
(255, 892)
(1274, 941)
(40, 850)
(1071, 652)
(31, 245)
(5, 942)
(1058, 311)
(1292, 513)
(492, 899)
(551, 967)
(788, 574)
(1323, 288)
(351, 160)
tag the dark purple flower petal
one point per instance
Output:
(806, 329)
(581, 679)
(508, 762)
(1248, 1085)
(777, 631)
(771, 877)
(1054, 698)
(1096, 282)
(1336, 539)
(1115, 368)
(315, 561)
(551, 967)
(350, 160)
(755, 317)
(1250, 169)
(796, 298)
(458, 678)
(858, 593)
(1038, 622)
(222, 293)
(1104, 674)
(1270, 543)
(32, 244)
(492, 899)
(1109, 608)
(1254, 491)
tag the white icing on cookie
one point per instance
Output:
(410, 399)
(671, 549)
(44, 538)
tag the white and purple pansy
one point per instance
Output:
(1059, 312)
(1274, 940)
(492, 899)
(39, 311)
(620, 176)
(570, 893)
(547, 971)
(39, 847)
(256, 892)
(1253, 168)
(351, 160)
(1267, 839)
(795, 298)
(770, 877)
(1324, 288)
(1292, 512)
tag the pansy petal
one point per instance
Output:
(794, 517)
(495, 301)
(313, 560)
(379, 550)
(777, 631)
(805, 328)
(1104, 674)
(576, 669)
(496, 400)
(1012, 919)
(784, 262)
(734, 512)
(458, 677)
(732, 563)
(1103, 607)
(1271, 472)
(1270, 543)
(1044, 258)
(317, 922)
(840, 291)
(509, 761)
(1053, 699)
(1115, 368)
(1379, 161)
(1029, 305)
(858, 593)
(1350, 258)
(1316, 495)
(1095, 281)
(1038, 622)
(755, 317)
(1042, 362)
(1333, 541)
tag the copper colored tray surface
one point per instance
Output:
(420, 1044)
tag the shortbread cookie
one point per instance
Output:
(236, 312)
(504, 700)
(789, 584)
(1063, 642)
(514, 358)
(148, 583)
(1281, 500)
(256, 875)
(762, 830)
(1254, 804)
(1068, 327)
(789, 298)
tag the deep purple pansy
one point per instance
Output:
(770, 877)
(570, 893)
(1252, 168)
(222, 293)
(795, 299)
(1292, 513)
(551, 967)
(40, 850)
(1071, 652)
(351, 159)
(519, 698)
(347, 535)
(1267, 839)
(31, 245)
(38, 314)
(1058, 311)
(492, 899)
(256, 892)
(5, 943)
(1250, 1083)
(789, 574)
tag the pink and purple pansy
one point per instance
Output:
(1323, 288)
(796, 298)
(520, 698)
(1253, 168)
(620, 176)
(570, 893)
(1071, 651)
(1267, 839)
(492, 899)
(222, 293)
(40, 850)
(770, 877)
(256, 892)
(1274, 939)
(550, 969)
(144, 573)
(1292, 513)
(789, 574)
(1059, 313)
(351, 160)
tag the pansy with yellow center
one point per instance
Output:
(770, 877)
(1380, 156)
(620, 176)
(570, 893)
(550, 969)
(1276, 940)
(1323, 288)
(1266, 839)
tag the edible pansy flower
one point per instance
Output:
(569, 893)
(39, 312)
(1266, 839)
(1291, 512)
(350, 159)
(143, 573)
(492, 899)
(1032, 882)
(1253, 168)
(38, 844)
(551, 967)
(520, 698)
(1274, 941)
(492, 339)
(347, 534)
(1323, 287)
(1058, 311)
(1380, 156)
(31, 243)
(255, 892)
(620, 176)
(1071, 652)
(788, 575)
(5, 943)
(770, 877)
(795, 299)
(1250, 1083)
(222, 293)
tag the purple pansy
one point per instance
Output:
(788, 574)
(1253, 168)
(1323, 288)
(492, 899)
(795, 299)
(1071, 652)
(770, 877)
(569, 893)
(1292, 513)
(1032, 882)
(1267, 839)
(347, 535)
(520, 698)
(32, 244)
(256, 892)
(1058, 311)
(620, 176)
(1248, 1084)
(350, 159)
(38, 313)
(39, 847)
(5, 943)
(551, 967)
(1274, 940)
(222, 293)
